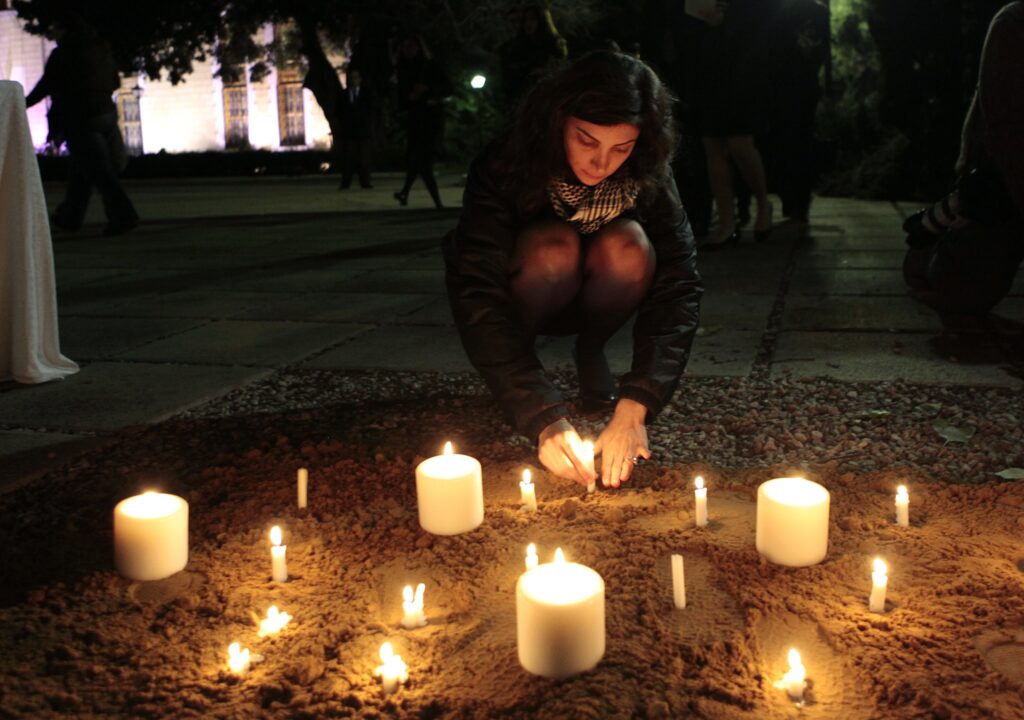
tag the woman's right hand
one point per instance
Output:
(555, 450)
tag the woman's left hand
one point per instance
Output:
(622, 441)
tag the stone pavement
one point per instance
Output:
(230, 280)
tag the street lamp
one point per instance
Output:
(478, 82)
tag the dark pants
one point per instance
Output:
(97, 154)
(424, 135)
(355, 158)
(968, 270)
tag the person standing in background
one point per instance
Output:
(80, 77)
(356, 109)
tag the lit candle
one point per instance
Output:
(274, 622)
(678, 582)
(700, 495)
(902, 506)
(879, 581)
(531, 556)
(238, 659)
(393, 669)
(449, 493)
(151, 536)
(528, 492)
(793, 681)
(792, 521)
(585, 452)
(412, 607)
(278, 561)
(303, 485)
(560, 620)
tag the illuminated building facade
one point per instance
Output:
(202, 113)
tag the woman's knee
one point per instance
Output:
(549, 251)
(621, 251)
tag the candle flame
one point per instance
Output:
(274, 622)
(901, 492)
(794, 659)
(386, 652)
(559, 556)
(531, 549)
(880, 566)
(448, 448)
(527, 477)
(407, 593)
(275, 535)
(699, 482)
(238, 659)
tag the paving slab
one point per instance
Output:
(875, 357)
(847, 281)
(99, 338)
(437, 312)
(202, 304)
(859, 313)
(398, 347)
(13, 442)
(70, 277)
(334, 278)
(807, 257)
(109, 395)
(407, 281)
(340, 307)
(735, 312)
(265, 343)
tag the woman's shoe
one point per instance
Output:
(721, 241)
(597, 384)
(402, 198)
(766, 232)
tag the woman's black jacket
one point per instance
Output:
(477, 259)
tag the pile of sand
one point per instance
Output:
(75, 638)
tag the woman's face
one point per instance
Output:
(596, 151)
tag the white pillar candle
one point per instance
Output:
(238, 659)
(531, 556)
(793, 681)
(392, 671)
(449, 493)
(560, 624)
(302, 486)
(902, 506)
(274, 622)
(792, 521)
(879, 581)
(412, 607)
(528, 491)
(151, 536)
(678, 582)
(700, 496)
(278, 559)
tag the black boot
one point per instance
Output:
(597, 384)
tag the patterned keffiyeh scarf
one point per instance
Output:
(589, 207)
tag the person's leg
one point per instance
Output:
(748, 161)
(100, 144)
(427, 172)
(348, 162)
(413, 150)
(70, 214)
(618, 268)
(546, 272)
(363, 162)
(716, 150)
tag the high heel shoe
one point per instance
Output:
(762, 235)
(732, 238)
(402, 198)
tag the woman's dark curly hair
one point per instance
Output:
(606, 88)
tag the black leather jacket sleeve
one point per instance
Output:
(667, 319)
(477, 258)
